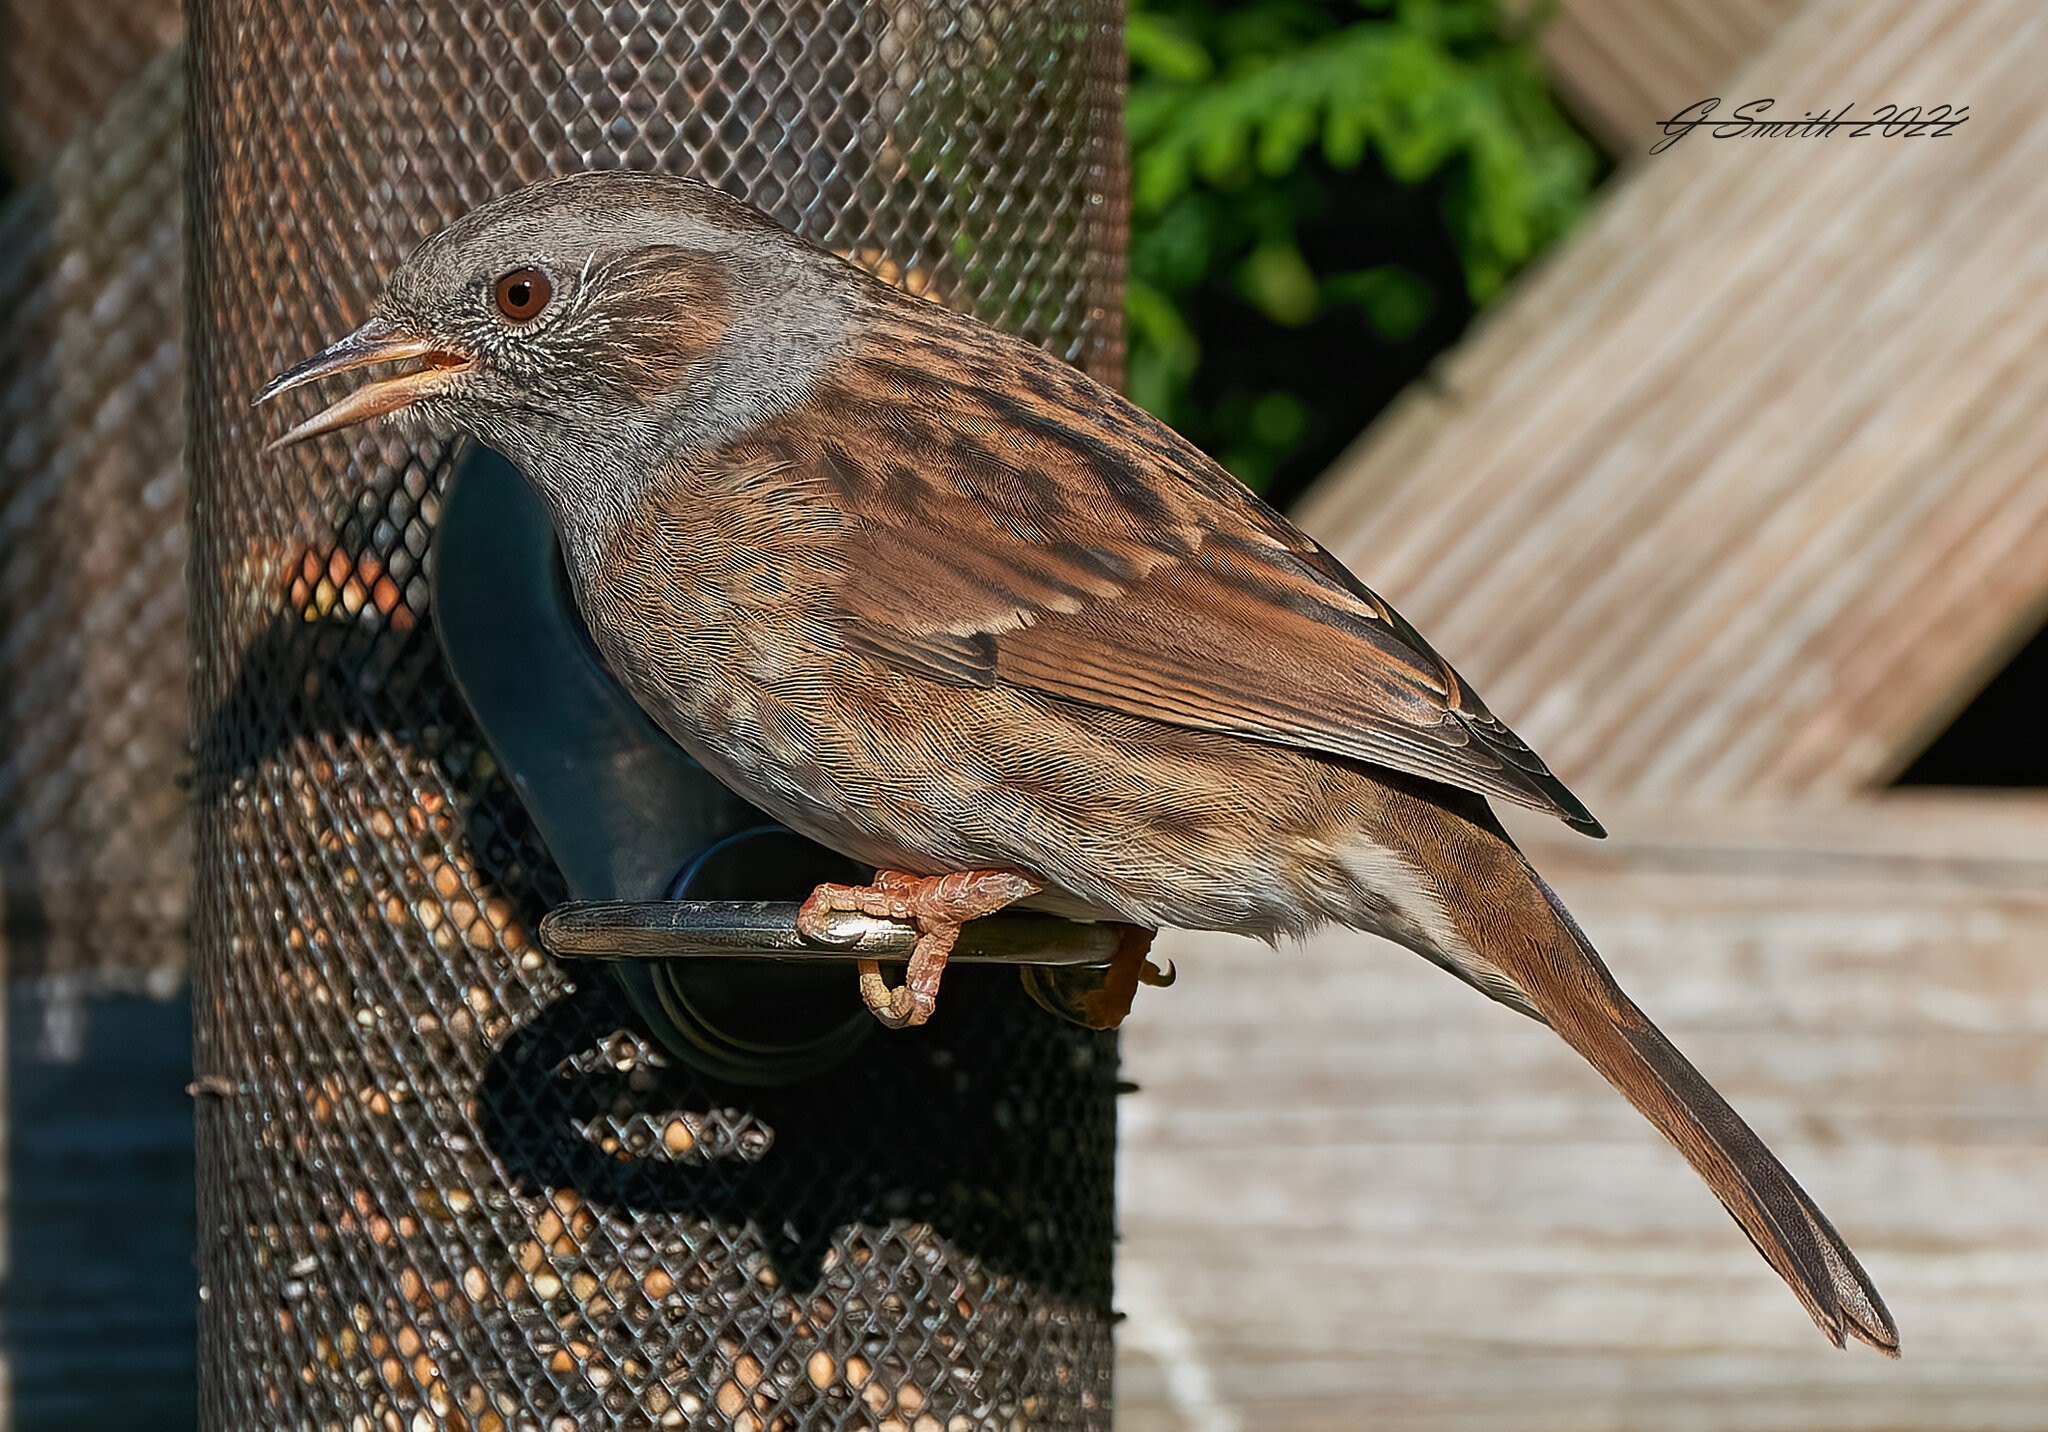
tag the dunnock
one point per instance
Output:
(941, 602)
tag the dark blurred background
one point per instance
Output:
(1323, 194)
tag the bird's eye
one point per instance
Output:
(522, 294)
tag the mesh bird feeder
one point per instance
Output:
(446, 1181)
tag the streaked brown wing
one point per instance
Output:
(1013, 521)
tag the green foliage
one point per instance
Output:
(1246, 118)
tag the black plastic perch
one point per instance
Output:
(766, 930)
(733, 988)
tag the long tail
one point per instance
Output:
(1530, 953)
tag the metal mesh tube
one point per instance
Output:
(94, 860)
(439, 1185)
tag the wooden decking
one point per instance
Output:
(1357, 1195)
(1727, 510)
(1744, 492)
(1623, 65)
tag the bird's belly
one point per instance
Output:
(796, 792)
(826, 769)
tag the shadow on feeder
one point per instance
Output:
(951, 1126)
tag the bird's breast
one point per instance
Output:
(727, 642)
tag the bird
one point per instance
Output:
(934, 598)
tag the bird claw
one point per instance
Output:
(1099, 997)
(935, 905)
(909, 1004)
(821, 924)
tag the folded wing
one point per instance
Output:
(1009, 520)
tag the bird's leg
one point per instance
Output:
(938, 905)
(1107, 1007)
(1095, 996)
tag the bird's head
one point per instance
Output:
(591, 327)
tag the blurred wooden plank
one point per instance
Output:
(1742, 492)
(1356, 1194)
(1624, 65)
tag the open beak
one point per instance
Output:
(378, 341)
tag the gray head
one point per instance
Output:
(592, 328)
